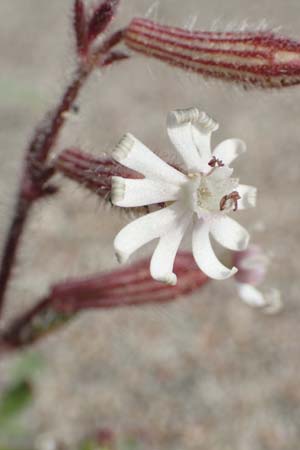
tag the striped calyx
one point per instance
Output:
(255, 58)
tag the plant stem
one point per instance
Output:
(35, 172)
(31, 188)
(11, 244)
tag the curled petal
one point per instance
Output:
(205, 256)
(248, 196)
(190, 132)
(202, 137)
(230, 234)
(132, 153)
(270, 301)
(132, 193)
(162, 261)
(250, 295)
(228, 150)
(145, 229)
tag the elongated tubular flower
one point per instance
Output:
(252, 58)
(124, 287)
(94, 173)
(128, 286)
(202, 197)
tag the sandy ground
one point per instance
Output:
(206, 372)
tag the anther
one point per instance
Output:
(215, 162)
(230, 200)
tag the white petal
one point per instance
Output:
(132, 153)
(229, 149)
(205, 256)
(182, 138)
(202, 131)
(145, 229)
(248, 196)
(190, 132)
(250, 295)
(230, 234)
(271, 301)
(164, 255)
(130, 193)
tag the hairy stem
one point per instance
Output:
(35, 172)
(33, 179)
(46, 136)
(11, 244)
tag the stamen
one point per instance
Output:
(215, 162)
(230, 200)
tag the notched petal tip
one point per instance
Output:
(228, 273)
(194, 116)
(121, 253)
(168, 278)
(121, 256)
(219, 275)
(124, 147)
(181, 116)
(206, 124)
(117, 190)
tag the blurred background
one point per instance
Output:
(206, 372)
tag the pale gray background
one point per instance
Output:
(206, 372)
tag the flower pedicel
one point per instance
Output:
(200, 198)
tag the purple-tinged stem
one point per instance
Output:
(255, 58)
(11, 244)
(36, 173)
(45, 137)
(32, 185)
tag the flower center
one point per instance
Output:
(215, 191)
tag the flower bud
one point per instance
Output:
(80, 27)
(257, 58)
(132, 285)
(101, 18)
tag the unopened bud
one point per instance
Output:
(101, 18)
(132, 285)
(255, 58)
(80, 27)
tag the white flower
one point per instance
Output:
(201, 197)
(252, 267)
